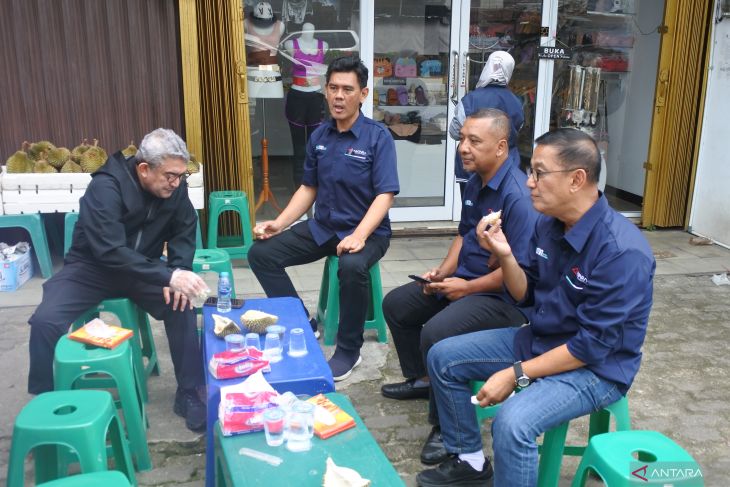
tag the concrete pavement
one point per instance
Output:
(682, 389)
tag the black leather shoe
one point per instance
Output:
(434, 451)
(454, 472)
(404, 390)
(189, 406)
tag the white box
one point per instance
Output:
(16, 271)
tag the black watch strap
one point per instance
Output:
(521, 380)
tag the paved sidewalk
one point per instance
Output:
(682, 390)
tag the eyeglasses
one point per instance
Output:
(172, 177)
(536, 174)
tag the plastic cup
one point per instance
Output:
(297, 344)
(253, 341)
(300, 427)
(274, 426)
(272, 348)
(199, 299)
(279, 330)
(235, 342)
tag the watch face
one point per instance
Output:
(523, 381)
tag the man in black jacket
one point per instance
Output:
(129, 210)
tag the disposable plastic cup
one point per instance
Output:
(253, 341)
(274, 426)
(272, 348)
(199, 299)
(279, 330)
(300, 427)
(297, 344)
(235, 342)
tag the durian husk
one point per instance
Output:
(336, 476)
(58, 156)
(19, 162)
(130, 150)
(224, 326)
(37, 149)
(93, 158)
(71, 166)
(256, 321)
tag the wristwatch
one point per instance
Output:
(521, 379)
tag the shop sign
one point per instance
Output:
(392, 80)
(549, 52)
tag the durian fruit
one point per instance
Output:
(93, 158)
(79, 150)
(71, 166)
(336, 476)
(58, 156)
(193, 165)
(20, 162)
(256, 321)
(224, 326)
(38, 148)
(42, 165)
(130, 150)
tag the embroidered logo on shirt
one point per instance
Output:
(468, 203)
(579, 276)
(356, 153)
(541, 253)
(320, 147)
(571, 283)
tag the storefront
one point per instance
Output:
(424, 56)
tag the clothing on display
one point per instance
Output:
(263, 33)
(308, 67)
(295, 10)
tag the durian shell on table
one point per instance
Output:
(256, 321)
(224, 326)
(336, 476)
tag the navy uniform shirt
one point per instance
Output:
(508, 192)
(349, 170)
(591, 288)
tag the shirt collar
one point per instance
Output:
(581, 231)
(499, 176)
(356, 128)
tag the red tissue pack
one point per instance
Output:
(228, 365)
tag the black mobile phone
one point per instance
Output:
(419, 279)
(236, 303)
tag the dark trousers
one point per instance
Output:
(269, 259)
(80, 286)
(305, 112)
(418, 321)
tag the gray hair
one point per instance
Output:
(161, 144)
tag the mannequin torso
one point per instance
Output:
(263, 73)
(308, 54)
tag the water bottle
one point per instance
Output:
(224, 293)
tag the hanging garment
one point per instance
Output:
(294, 11)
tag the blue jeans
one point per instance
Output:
(546, 403)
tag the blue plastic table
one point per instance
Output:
(354, 448)
(304, 375)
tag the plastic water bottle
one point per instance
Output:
(224, 293)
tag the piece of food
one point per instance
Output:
(257, 321)
(224, 326)
(492, 218)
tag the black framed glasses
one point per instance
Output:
(171, 177)
(536, 174)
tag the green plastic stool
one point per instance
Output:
(110, 478)
(69, 222)
(56, 421)
(553, 445)
(142, 342)
(219, 202)
(74, 360)
(214, 260)
(328, 308)
(33, 223)
(619, 457)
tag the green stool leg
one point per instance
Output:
(328, 307)
(74, 360)
(79, 420)
(34, 225)
(198, 233)
(68, 230)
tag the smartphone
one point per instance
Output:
(419, 279)
(236, 303)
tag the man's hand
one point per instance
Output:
(178, 299)
(493, 239)
(497, 388)
(186, 282)
(451, 287)
(350, 245)
(434, 275)
(267, 229)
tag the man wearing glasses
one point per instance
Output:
(129, 210)
(589, 283)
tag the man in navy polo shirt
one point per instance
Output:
(466, 295)
(350, 173)
(589, 282)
